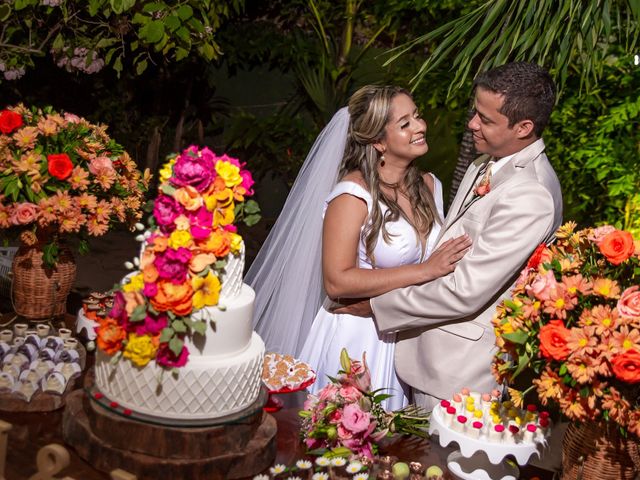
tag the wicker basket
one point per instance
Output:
(597, 451)
(40, 293)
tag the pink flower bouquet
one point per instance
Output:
(346, 416)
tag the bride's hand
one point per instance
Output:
(444, 259)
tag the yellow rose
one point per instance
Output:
(136, 283)
(229, 173)
(140, 349)
(206, 290)
(236, 242)
(180, 238)
(167, 170)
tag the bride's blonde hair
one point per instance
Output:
(369, 109)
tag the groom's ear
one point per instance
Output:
(524, 128)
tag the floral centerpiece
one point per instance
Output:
(186, 249)
(574, 325)
(61, 175)
(346, 418)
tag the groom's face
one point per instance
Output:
(491, 132)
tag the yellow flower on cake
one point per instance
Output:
(167, 170)
(180, 238)
(206, 290)
(229, 173)
(136, 283)
(224, 214)
(236, 242)
(140, 349)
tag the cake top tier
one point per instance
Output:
(191, 238)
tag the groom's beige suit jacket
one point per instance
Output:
(445, 337)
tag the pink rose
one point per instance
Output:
(350, 393)
(599, 233)
(328, 393)
(312, 443)
(629, 303)
(355, 419)
(544, 286)
(24, 213)
(100, 164)
(71, 118)
(310, 403)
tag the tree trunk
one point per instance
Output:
(466, 155)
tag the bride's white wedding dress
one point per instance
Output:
(330, 332)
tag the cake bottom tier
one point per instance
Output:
(205, 388)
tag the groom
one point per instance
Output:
(508, 202)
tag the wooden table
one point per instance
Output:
(32, 431)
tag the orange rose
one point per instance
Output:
(617, 246)
(189, 198)
(176, 298)
(110, 336)
(218, 243)
(150, 273)
(626, 366)
(553, 340)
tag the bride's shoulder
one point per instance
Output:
(355, 177)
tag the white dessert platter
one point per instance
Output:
(481, 458)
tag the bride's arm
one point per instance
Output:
(343, 220)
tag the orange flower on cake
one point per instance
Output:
(186, 250)
(573, 324)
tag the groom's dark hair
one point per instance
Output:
(528, 89)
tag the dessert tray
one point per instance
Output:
(480, 458)
(284, 374)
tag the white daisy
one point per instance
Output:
(354, 467)
(277, 469)
(361, 476)
(304, 464)
(320, 476)
(261, 477)
(338, 462)
(323, 462)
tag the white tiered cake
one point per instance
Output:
(222, 376)
(223, 373)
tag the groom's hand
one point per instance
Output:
(360, 307)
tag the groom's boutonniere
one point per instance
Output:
(484, 185)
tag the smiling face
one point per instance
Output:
(491, 132)
(405, 132)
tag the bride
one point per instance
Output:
(381, 221)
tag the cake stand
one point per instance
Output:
(479, 458)
(274, 404)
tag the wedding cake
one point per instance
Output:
(178, 343)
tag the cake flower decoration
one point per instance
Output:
(186, 249)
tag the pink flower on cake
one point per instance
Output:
(247, 181)
(150, 325)
(193, 169)
(173, 264)
(165, 210)
(201, 223)
(166, 358)
(354, 419)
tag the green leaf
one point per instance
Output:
(139, 314)
(251, 206)
(154, 7)
(175, 345)
(152, 32)
(141, 67)
(207, 51)
(523, 362)
(172, 22)
(105, 42)
(139, 19)
(117, 65)
(167, 189)
(200, 327)
(181, 53)
(251, 220)
(184, 35)
(166, 334)
(50, 254)
(519, 337)
(179, 326)
(185, 12)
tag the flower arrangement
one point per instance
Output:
(346, 418)
(191, 237)
(574, 325)
(60, 174)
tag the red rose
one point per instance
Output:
(536, 256)
(60, 165)
(617, 246)
(626, 366)
(9, 121)
(553, 340)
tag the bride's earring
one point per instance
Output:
(382, 160)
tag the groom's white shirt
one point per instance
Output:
(445, 337)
